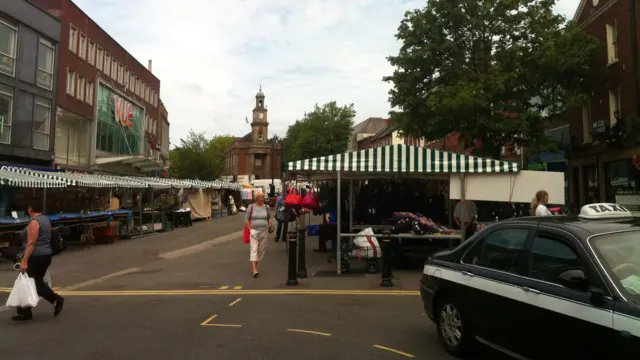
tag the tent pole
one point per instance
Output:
(463, 179)
(350, 205)
(338, 222)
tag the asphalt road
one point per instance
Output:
(189, 294)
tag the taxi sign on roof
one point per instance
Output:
(604, 211)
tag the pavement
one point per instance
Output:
(189, 294)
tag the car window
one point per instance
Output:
(498, 250)
(551, 256)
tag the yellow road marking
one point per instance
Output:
(225, 287)
(309, 332)
(394, 351)
(206, 323)
(235, 301)
(209, 319)
(237, 287)
(233, 292)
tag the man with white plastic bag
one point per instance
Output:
(23, 294)
(38, 252)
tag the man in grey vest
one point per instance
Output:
(36, 245)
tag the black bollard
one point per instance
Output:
(386, 260)
(302, 261)
(291, 276)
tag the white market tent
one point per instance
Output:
(395, 160)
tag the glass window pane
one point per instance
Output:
(40, 141)
(498, 250)
(551, 257)
(42, 116)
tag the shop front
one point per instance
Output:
(120, 137)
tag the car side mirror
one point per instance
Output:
(575, 280)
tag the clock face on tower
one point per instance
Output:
(260, 116)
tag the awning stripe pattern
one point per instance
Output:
(403, 159)
(17, 179)
(25, 177)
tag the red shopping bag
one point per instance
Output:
(310, 200)
(247, 228)
(293, 199)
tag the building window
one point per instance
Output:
(614, 105)
(260, 135)
(99, 58)
(46, 56)
(41, 124)
(8, 42)
(126, 78)
(73, 38)
(107, 64)
(114, 69)
(82, 51)
(81, 88)
(132, 82)
(120, 74)
(6, 106)
(622, 180)
(89, 97)
(71, 82)
(91, 56)
(612, 42)
(155, 100)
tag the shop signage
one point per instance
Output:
(598, 125)
(123, 110)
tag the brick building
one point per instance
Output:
(29, 39)
(108, 102)
(255, 154)
(602, 168)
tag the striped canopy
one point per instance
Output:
(404, 159)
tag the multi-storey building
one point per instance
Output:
(601, 165)
(29, 39)
(163, 135)
(108, 104)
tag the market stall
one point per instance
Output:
(394, 161)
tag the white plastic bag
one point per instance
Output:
(24, 293)
(368, 244)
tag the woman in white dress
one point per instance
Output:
(539, 204)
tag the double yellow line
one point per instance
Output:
(231, 292)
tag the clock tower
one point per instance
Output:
(259, 124)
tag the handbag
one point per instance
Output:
(310, 200)
(293, 199)
(247, 230)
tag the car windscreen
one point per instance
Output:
(620, 254)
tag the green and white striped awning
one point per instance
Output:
(16, 179)
(403, 159)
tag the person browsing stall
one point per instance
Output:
(539, 204)
(36, 245)
(258, 219)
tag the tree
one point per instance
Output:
(492, 70)
(198, 157)
(323, 131)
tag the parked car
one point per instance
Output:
(553, 287)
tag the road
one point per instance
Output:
(189, 294)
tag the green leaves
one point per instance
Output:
(492, 70)
(199, 157)
(323, 131)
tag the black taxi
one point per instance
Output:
(553, 287)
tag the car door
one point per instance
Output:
(492, 268)
(560, 321)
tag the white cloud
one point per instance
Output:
(211, 55)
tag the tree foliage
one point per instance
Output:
(199, 157)
(492, 70)
(323, 131)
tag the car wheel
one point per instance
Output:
(454, 329)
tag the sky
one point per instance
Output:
(211, 55)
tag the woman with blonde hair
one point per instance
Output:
(539, 204)
(258, 220)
